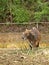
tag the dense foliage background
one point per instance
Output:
(20, 11)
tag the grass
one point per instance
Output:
(13, 40)
(21, 45)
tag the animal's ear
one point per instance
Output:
(30, 30)
(26, 29)
(33, 28)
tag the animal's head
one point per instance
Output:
(26, 33)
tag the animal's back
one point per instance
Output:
(36, 33)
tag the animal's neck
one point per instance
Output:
(30, 36)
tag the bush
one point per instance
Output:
(41, 13)
(24, 10)
(20, 15)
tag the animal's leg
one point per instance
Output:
(37, 44)
(30, 44)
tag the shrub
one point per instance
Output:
(20, 14)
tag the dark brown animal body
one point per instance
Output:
(33, 36)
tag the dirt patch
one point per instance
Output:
(43, 27)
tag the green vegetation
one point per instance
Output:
(20, 11)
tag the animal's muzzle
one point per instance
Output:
(23, 37)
